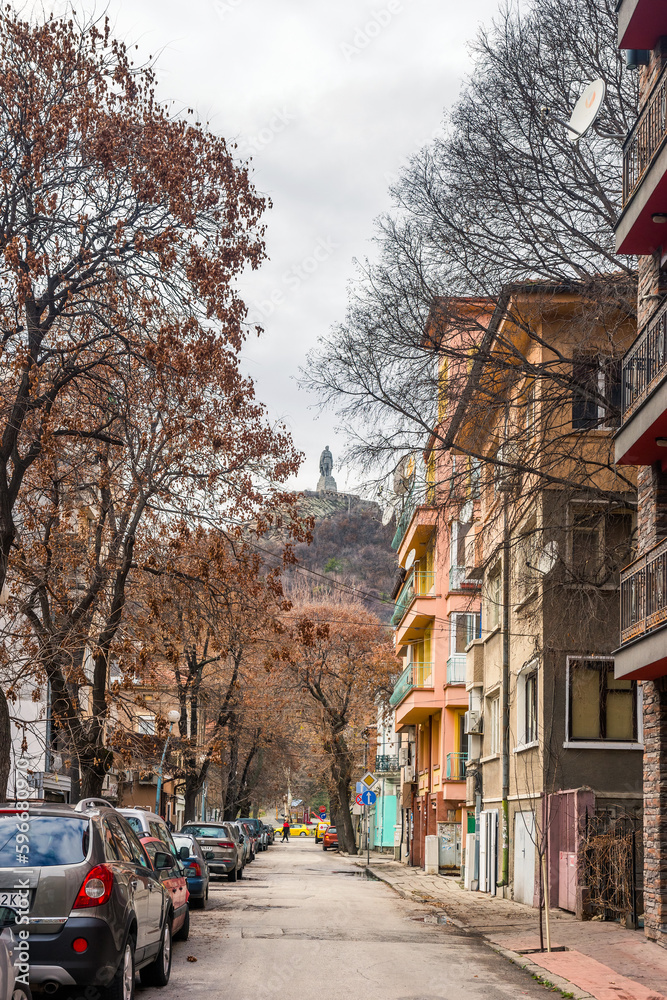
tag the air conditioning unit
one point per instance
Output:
(409, 773)
(473, 724)
(403, 755)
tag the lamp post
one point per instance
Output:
(172, 718)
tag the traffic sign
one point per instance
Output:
(360, 787)
(359, 799)
(368, 780)
(368, 798)
(323, 814)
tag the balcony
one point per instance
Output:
(456, 766)
(640, 23)
(643, 651)
(644, 396)
(645, 177)
(415, 676)
(414, 532)
(456, 668)
(461, 580)
(385, 764)
(417, 584)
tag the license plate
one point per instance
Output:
(14, 900)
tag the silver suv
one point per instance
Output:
(80, 882)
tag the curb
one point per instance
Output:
(546, 978)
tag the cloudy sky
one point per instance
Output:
(329, 99)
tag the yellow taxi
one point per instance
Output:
(320, 830)
(296, 830)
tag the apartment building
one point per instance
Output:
(642, 437)
(437, 611)
(555, 739)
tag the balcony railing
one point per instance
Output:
(645, 139)
(415, 675)
(460, 579)
(384, 763)
(403, 522)
(456, 668)
(456, 766)
(417, 584)
(644, 594)
(645, 364)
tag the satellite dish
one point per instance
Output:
(586, 110)
(387, 515)
(410, 558)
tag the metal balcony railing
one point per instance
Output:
(645, 139)
(456, 766)
(456, 668)
(415, 675)
(460, 579)
(417, 584)
(384, 762)
(644, 594)
(645, 364)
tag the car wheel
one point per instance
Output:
(121, 986)
(21, 992)
(184, 932)
(233, 875)
(324, 847)
(198, 903)
(159, 971)
(207, 888)
(241, 872)
(303, 834)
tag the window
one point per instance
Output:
(110, 849)
(493, 601)
(494, 725)
(531, 413)
(464, 627)
(530, 707)
(527, 577)
(600, 706)
(475, 477)
(124, 850)
(596, 391)
(146, 724)
(527, 705)
(601, 543)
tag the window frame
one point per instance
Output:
(529, 672)
(575, 743)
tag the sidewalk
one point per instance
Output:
(602, 960)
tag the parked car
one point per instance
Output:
(220, 841)
(269, 834)
(10, 989)
(243, 840)
(196, 868)
(175, 883)
(330, 839)
(98, 911)
(146, 823)
(257, 828)
(320, 830)
(251, 836)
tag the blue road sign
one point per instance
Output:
(368, 797)
(360, 787)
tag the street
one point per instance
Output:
(303, 923)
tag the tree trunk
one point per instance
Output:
(343, 817)
(191, 793)
(5, 746)
(94, 762)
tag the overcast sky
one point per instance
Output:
(330, 99)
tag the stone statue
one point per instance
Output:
(326, 462)
(326, 482)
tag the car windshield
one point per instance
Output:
(135, 824)
(51, 840)
(183, 842)
(207, 831)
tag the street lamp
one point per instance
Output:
(172, 718)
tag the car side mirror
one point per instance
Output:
(162, 861)
(183, 853)
(208, 855)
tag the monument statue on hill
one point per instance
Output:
(326, 483)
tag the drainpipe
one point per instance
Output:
(504, 870)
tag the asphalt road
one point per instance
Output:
(302, 924)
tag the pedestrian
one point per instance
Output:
(285, 831)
